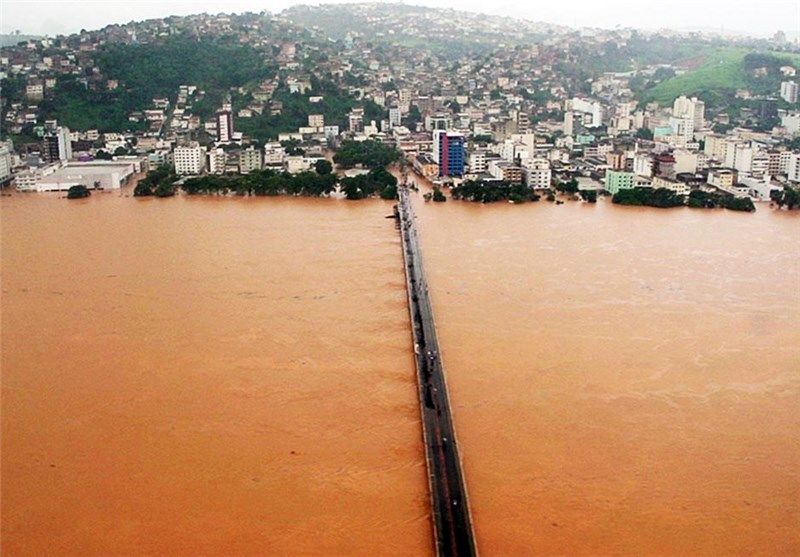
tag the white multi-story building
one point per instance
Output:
(643, 164)
(569, 123)
(57, 145)
(189, 159)
(789, 91)
(217, 159)
(249, 160)
(297, 163)
(356, 120)
(477, 162)
(693, 108)
(676, 186)
(273, 154)
(685, 161)
(538, 174)
(784, 160)
(5, 161)
(394, 116)
(593, 111)
(716, 146)
(682, 129)
(793, 171)
(791, 121)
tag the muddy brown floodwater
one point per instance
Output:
(207, 376)
(623, 380)
(234, 376)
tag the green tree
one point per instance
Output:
(323, 167)
(78, 192)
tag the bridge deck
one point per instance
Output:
(450, 506)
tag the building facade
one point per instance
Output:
(189, 159)
(448, 152)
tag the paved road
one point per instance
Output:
(451, 518)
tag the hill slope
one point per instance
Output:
(723, 72)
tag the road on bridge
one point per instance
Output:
(451, 517)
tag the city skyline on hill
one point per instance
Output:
(51, 17)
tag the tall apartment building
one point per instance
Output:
(643, 164)
(538, 174)
(217, 159)
(394, 116)
(789, 91)
(569, 123)
(189, 159)
(448, 152)
(5, 161)
(793, 170)
(693, 108)
(682, 129)
(224, 125)
(593, 109)
(56, 145)
(356, 120)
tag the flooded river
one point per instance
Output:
(207, 376)
(623, 380)
(235, 376)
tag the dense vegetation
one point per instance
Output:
(158, 69)
(664, 198)
(491, 191)
(80, 108)
(376, 181)
(147, 71)
(369, 153)
(659, 197)
(159, 182)
(78, 192)
(568, 187)
(711, 200)
(789, 198)
(263, 183)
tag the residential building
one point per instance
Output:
(538, 174)
(680, 188)
(426, 166)
(316, 121)
(793, 170)
(448, 152)
(477, 162)
(693, 108)
(356, 120)
(506, 171)
(643, 164)
(394, 116)
(249, 160)
(224, 125)
(789, 91)
(722, 178)
(617, 180)
(217, 159)
(189, 159)
(5, 161)
(56, 145)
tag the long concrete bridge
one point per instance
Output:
(450, 505)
